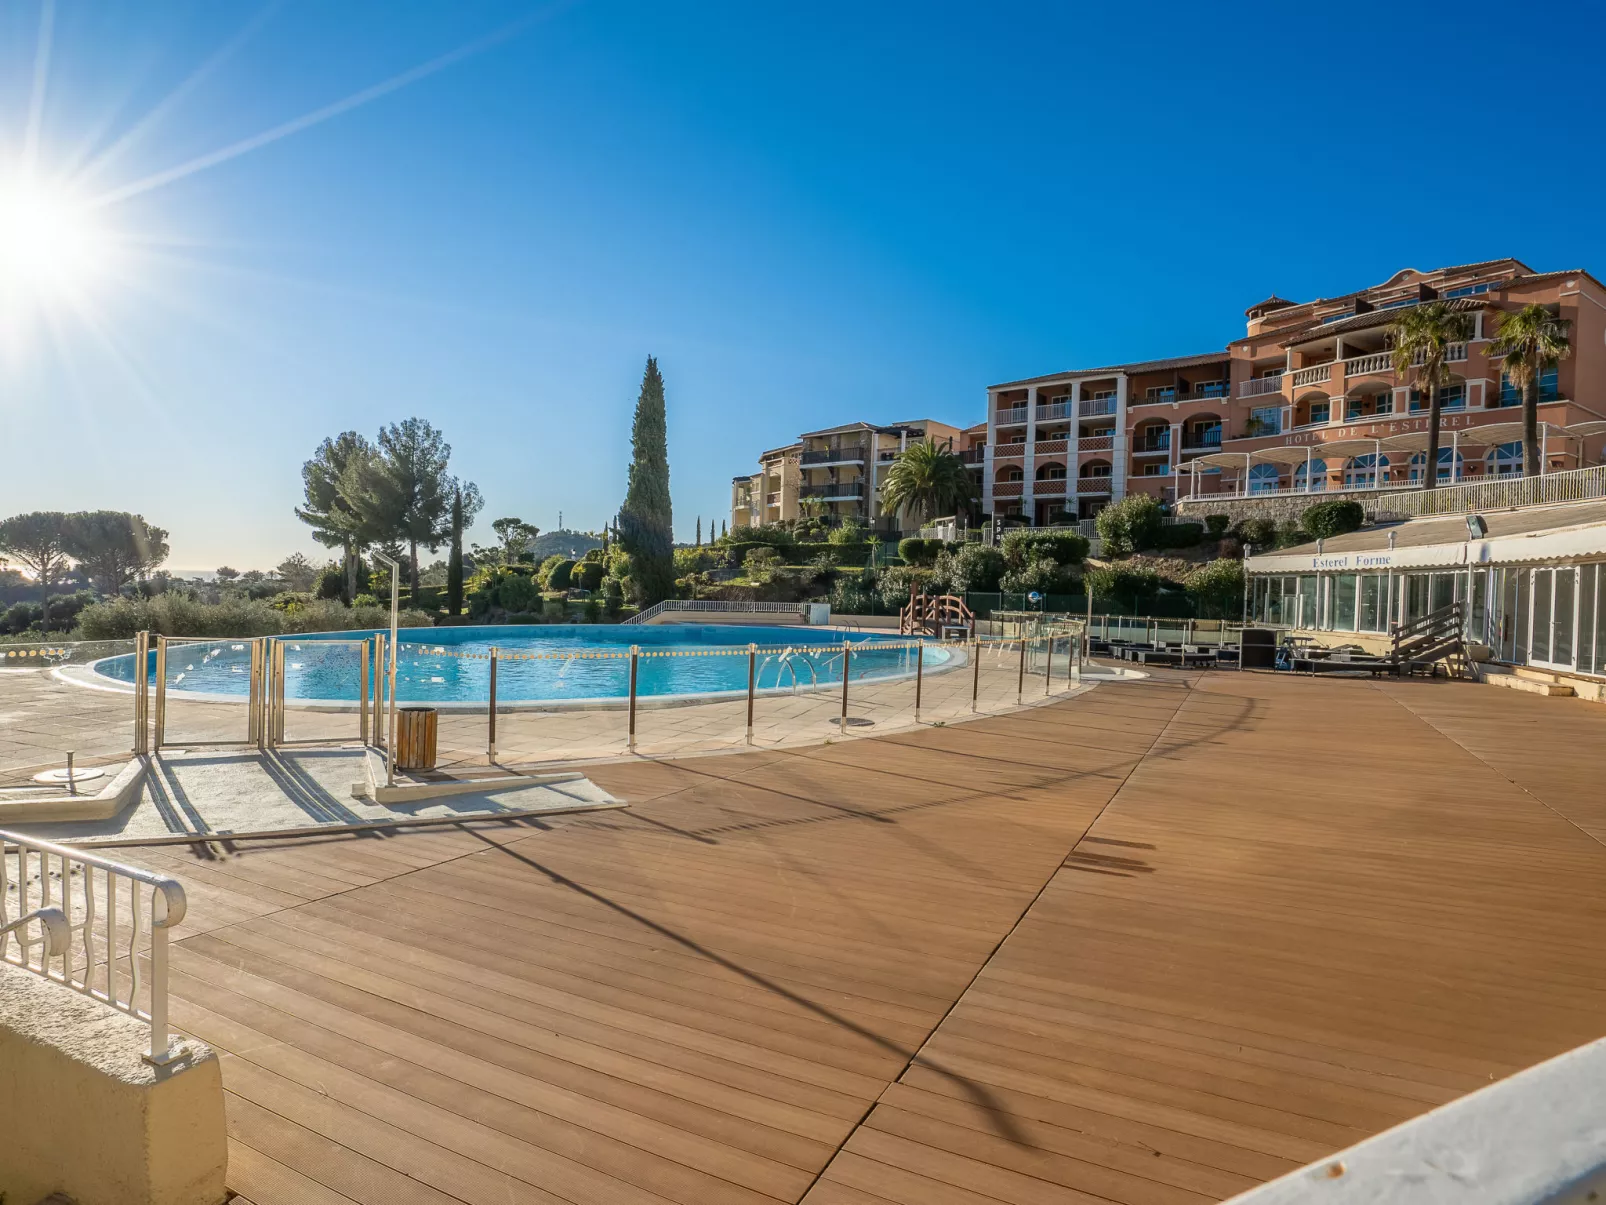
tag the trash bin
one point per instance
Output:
(415, 738)
(1258, 649)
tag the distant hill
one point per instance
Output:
(569, 543)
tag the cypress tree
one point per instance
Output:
(646, 522)
(454, 562)
(724, 528)
(699, 531)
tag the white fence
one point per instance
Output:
(1505, 493)
(712, 604)
(86, 941)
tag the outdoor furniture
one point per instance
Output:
(1259, 649)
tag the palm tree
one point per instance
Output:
(1422, 336)
(1533, 341)
(927, 481)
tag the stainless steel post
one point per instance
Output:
(72, 786)
(161, 693)
(635, 661)
(752, 686)
(142, 691)
(847, 657)
(1020, 681)
(362, 692)
(975, 671)
(920, 663)
(490, 740)
(1048, 667)
(278, 693)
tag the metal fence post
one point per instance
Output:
(1048, 667)
(635, 662)
(920, 664)
(847, 657)
(752, 685)
(142, 692)
(379, 691)
(161, 693)
(975, 671)
(362, 692)
(1020, 681)
(490, 740)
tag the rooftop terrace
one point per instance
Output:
(1157, 943)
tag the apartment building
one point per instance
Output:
(835, 473)
(1306, 402)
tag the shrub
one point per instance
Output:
(761, 563)
(1040, 574)
(893, 585)
(854, 594)
(593, 555)
(588, 575)
(560, 576)
(848, 533)
(1217, 588)
(1130, 586)
(554, 610)
(1333, 518)
(331, 583)
(1216, 525)
(1129, 525)
(1181, 535)
(612, 595)
(21, 616)
(543, 574)
(1262, 533)
(593, 609)
(516, 592)
(1025, 544)
(1290, 533)
(968, 567)
(365, 600)
(916, 551)
(772, 534)
(173, 614)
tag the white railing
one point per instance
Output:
(1096, 406)
(1015, 415)
(1382, 361)
(1572, 485)
(1260, 385)
(97, 948)
(1313, 376)
(1053, 410)
(715, 604)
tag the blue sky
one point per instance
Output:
(810, 213)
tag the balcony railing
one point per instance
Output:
(1049, 487)
(1011, 449)
(1199, 440)
(1314, 375)
(850, 454)
(1093, 485)
(1261, 385)
(1095, 406)
(1053, 410)
(845, 489)
(1015, 415)
(1571, 485)
(1096, 443)
(1153, 443)
(973, 455)
(1382, 361)
(1050, 447)
(1007, 489)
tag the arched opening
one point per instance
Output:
(1361, 471)
(1418, 465)
(1316, 478)
(1011, 472)
(1504, 460)
(1312, 408)
(1263, 478)
(1051, 472)
(1094, 469)
(1202, 431)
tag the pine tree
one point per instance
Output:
(646, 521)
(454, 562)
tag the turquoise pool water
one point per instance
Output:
(432, 666)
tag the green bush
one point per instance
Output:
(772, 534)
(1126, 585)
(1216, 525)
(849, 533)
(854, 594)
(588, 575)
(1130, 525)
(1333, 518)
(1217, 588)
(174, 614)
(560, 576)
(554, 610)
(893, 585)
(544, 573)
(517, 592)
(761, 563)
(593, 609)
(331, 583)
(1262, 533)
(916, 551)
(968, 567)
(1040, 574)
(1025, 544)
(1181, 535)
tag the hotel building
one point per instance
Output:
(1306, 402)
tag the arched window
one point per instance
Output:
(1263, 479)
(1051, 472)
(1361, 472)
(1318, 476)
(1011, 473)
(1504, 460)
(1420, 460)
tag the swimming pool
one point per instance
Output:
(542, 663)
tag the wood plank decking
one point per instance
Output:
(1154, 944)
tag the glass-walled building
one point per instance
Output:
(1530, 583)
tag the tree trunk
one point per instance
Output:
(412, 566)
(1530, 427)
(351, 574)
(1430, 474)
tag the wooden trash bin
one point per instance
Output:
(415, 738)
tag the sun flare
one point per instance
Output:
(50, 245)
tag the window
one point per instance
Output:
(1308, 596)
(1099, 395)
(1338, 317)
(1344, 602)
(1318, 476)
(1210, 389)
(1372, 603)
(1096, 468)
(1418, 464)
(1510, 395)
(1451, 397)
(1361, 472)
(1263, 479)
(1266, 420)
(1265, 373)
(1060, 399)
(1051, 472)
(1383, 403)
(1504, 460)
(1161, 393)
(1011, 473)
(1160, 469)
(1320, 411)
(1100, 432)
(1466, 291)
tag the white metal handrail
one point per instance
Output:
(86, 935)
(1260, 385)
(1505, 493)
(714, 604)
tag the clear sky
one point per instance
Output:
(310, 217)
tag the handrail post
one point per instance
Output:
(1048, 667)
(1020, 681)
(490, 740)
(920, 664)
(161, 693)
(142, 692)
(635, 661)
(752, 685)
(975, 670)
(847, 657)
(362, 692)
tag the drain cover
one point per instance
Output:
(855, 722)
(59, 777)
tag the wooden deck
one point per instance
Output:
(1154, 944)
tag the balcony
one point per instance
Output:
(1050, 447)
(1093, 485)
(1013, 449)
(1261, 385)
(1049, 487)
(852, 454)
(1096, 443)
(1201, 441)
(1095, 406)
(1160, 442)
(973, 455)
(1315, 375)
(1008, 418)
(1357, 366)
(833, 492)
(1007, 489)
(1053, 410)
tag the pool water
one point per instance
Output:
(581, 661)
